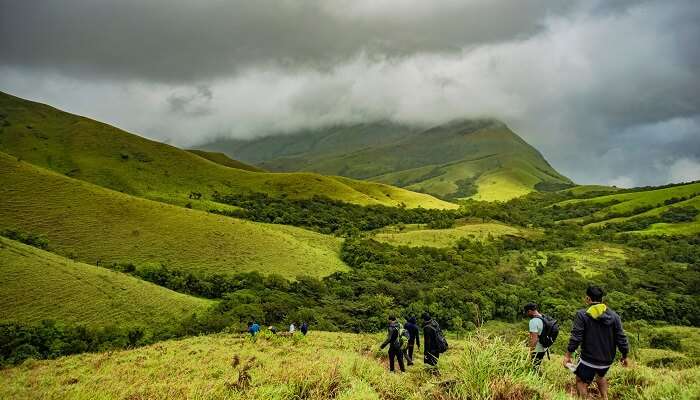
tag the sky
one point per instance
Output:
(608, 91)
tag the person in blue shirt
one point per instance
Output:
(535, 327)
(253, 328)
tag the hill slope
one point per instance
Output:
(98, 153)
(481, 159)
(93, 224)
(651, 204)
(226, 161)
(36, 285)
(324, 366)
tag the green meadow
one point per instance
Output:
(324, 366)
(100, 226)
(36, 285)
(417, 235)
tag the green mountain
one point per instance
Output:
(480, 159)
(104, 155)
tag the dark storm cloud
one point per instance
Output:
(184, 40)
(609, 91)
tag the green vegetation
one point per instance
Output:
(422, 236)
(326, 215)
(223, 159)
(99, 226)
(481, 159)
(36, 285)
(106, 156)
(322, 366)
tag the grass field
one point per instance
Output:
(321, 366)
(95, 225)
(421, 236)
(36, 285)
(104, 155)
(594, 258)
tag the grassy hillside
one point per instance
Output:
(109, 157)
(635, 205)
(322, 366)
(480, 159)
(422, 236)
(36, 285)
(97, 225)
(226, 161)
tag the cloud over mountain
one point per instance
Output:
(608, 93)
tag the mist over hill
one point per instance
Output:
(481, 159)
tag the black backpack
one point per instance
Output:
(550, 331)
(440, 340)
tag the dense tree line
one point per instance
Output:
(328, 216)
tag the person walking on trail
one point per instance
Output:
(291, 328)
(253, 328)
(413, 338)
(598, 330)
(394, 342)
(304, 328)
(535, 328)
(431, 348)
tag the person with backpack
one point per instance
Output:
(543, 332)
(434, 341)
(253, 328)
(393, 339)
(304, 328)
(598, 330)
(413, 338)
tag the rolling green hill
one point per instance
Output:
(630, 206)
(480, 159)
(36, 285)
(97, 225)
(101, 154)
(422, 236)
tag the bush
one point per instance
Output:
(664, 340)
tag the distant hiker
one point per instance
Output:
(599, 331)
(393, 340)
(543, 332)
(272, 329)
(304, 328)
(253, 328)
(434, 341)
(413, 338)
(291, 328)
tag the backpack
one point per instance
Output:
(440, 340)
(550, 331)
(403, 338)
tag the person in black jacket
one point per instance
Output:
(392, 339)
(431, 351)
(598, 330)
(413, 338)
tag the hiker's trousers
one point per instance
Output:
(398, 354)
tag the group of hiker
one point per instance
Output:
(254, 328)
(402, 340)
(596, 329)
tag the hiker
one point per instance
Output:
(272, 329)
(291, 328)
(392, 339)
(253, 328)
(413, 338)
(598, 330)
(304, 328)
(432, 335)
(543, 332)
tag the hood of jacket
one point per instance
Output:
(600, 312)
